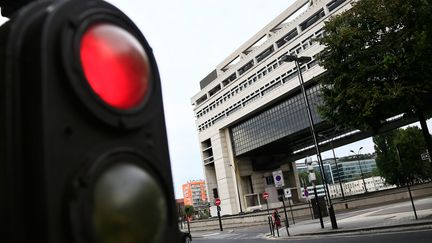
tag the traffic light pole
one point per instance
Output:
(286, 216)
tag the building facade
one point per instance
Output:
(250, 114)
(352, 170)
(195, 193)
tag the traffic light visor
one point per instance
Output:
(115, 65)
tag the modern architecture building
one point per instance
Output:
(250, 112)
(352, 170)
(195, 193)
(250, 115)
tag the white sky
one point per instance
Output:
(189, 38)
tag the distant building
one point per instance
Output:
(375, 183)
(351, 177)
(327, 170)
(352, 170)
(194, 193)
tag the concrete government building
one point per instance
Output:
(250, 114)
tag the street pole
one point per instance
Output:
(310, 208)
(286, 216)
(336, 164)
(219, 217)
(412, 201)
(306, 194)
(318, 152)
(270, 221)
(361, 170)
(408, 184)
(292, 214)
(318, 206)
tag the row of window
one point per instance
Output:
(278, 44)
(264, 90)
(281, 120)
(305, 44)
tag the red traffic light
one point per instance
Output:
(115, 65)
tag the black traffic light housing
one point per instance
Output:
(73, 166)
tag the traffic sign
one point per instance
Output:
(305, 192)
(265, 195)
(287, 192)
(217, 202)
(278, 178)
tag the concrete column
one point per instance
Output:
(224, 174)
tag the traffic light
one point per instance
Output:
(83, 147)
(281, 194)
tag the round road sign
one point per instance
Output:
(217, 201)
(265, 195)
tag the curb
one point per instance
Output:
(359, 230)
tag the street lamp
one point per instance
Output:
(297, 61)
(335, 160)
(361, 170)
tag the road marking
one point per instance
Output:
(211, 234)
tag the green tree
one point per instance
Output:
(189, 210)
(377, 57)
(411, 146)
(386, 157)
(410, 167)
(304, 178)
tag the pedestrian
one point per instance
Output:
(276, 219)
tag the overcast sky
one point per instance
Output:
(189, 38)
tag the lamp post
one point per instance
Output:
(361, 170)
(335, 160)
(297, 61)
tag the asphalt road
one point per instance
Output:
(420, 236)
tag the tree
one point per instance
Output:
(386, 157)
(189, 210)
(377, 57)
(410, 168)
(411, 146)
(304, 177)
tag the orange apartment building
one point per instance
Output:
(194, 193)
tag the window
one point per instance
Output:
(312, 19)
(269, 180)
(334, 4)
(286, 38)
(264, 54)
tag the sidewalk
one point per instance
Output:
(384, 218)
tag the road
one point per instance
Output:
(419, 236)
